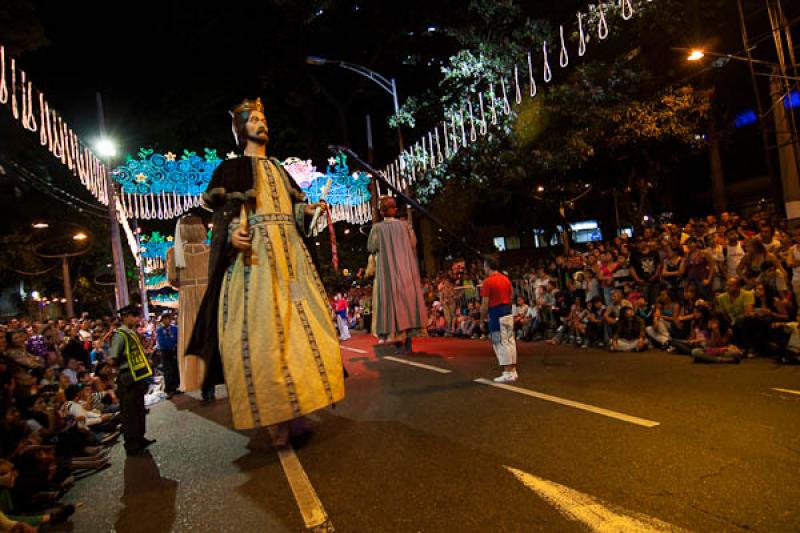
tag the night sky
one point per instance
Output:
(169, 71)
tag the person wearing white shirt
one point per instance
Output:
(767, 235)
(733, 252)
(85, 418)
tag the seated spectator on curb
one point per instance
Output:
(735, 306)
(522, 318)
(629, 335)
(718, 341)
(788, 351)
(561, 312)
(663, 319)
(594, 322)
(437, 325)
(613, 313)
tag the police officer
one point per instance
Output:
(133, 369)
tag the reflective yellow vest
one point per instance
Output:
(138, 364)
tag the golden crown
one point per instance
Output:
(248, 106)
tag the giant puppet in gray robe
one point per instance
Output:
(398, 308)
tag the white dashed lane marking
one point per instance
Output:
(596, 515)
(418, 365)
(353, 349)
(788, 391)
(570, 403)
(309, 504)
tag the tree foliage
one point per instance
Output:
(616, 118)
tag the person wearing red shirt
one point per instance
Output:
(496, 295)
(340, 306)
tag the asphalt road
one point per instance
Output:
(654, 443)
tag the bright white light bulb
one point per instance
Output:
(106, 148)
(696, 55)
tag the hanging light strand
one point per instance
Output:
(54, 132)
(595, 16)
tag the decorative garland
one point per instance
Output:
(29, 106)
(463, 123)
(154, 282)
(163, 186)
(349, 194)
(165, 300)
(154, 249)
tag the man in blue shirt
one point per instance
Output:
(167, 337)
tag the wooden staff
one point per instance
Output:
(245, 225)
(334, 251)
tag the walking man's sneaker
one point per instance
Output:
(506, 377)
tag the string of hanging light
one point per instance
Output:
(464, 123)
(31, 109)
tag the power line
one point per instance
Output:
(56, 192)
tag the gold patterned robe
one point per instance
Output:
(280, 352)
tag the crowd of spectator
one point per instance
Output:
(719, 289)
(59, 413)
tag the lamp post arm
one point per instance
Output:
(382, 81)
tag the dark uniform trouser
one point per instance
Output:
(169, 362)
(131, 400)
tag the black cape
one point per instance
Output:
(232, 183)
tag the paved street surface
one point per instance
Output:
(586, 440)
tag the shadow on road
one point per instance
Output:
(148, 498)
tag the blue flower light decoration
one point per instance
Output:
(346, 189)
(154, 173)
(155, 246)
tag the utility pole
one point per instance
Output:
(142, 278)
(118, 259)
(70, 305)
(774, 178)
(785, 123)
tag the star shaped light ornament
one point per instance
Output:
(141, 178)
(332, 161)
(170, 156)
(232, 155)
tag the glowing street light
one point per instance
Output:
(80, 236)
(106, 147)
(41, 225)
(695, 55)
(316, 60)
(540, 188)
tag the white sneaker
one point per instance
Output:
(506, 377)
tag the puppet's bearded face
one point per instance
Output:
(256, 127)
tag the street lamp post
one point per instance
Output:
(79, 237)
(388, 85)
(108, 150)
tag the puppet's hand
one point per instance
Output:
(311, 208)
(241, 239)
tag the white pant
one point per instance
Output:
(659, 331)
(625, 345)
(503, 342)
(344, 331)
